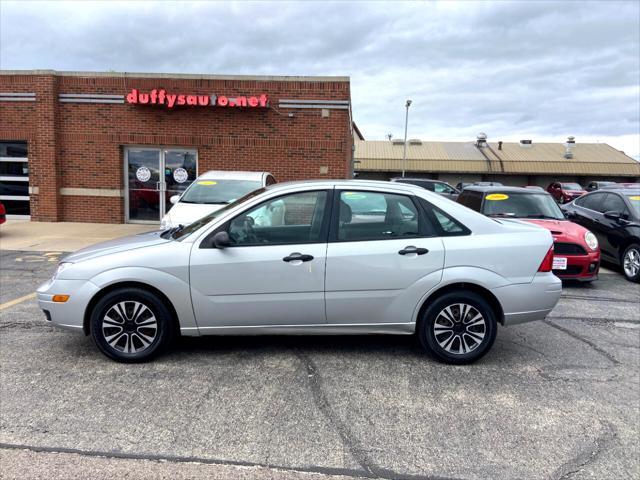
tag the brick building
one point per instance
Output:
(72, 143)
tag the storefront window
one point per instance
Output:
(14, 177)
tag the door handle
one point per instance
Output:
(412, 249)
(298, 256)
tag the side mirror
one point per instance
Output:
(617, 216)
(174, 199)
(221, 240)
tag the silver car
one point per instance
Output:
(323, 257)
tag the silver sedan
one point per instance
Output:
(324, 257)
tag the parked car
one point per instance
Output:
(290, 259)
(461, 185)
(437, 186)
(576, 252)
(613, 215)
(598, 185)
(3, 214)
(565, 192)
(623, 185)
(210, 192)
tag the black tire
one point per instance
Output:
(632, 249)
(435, 317)
(138, 326)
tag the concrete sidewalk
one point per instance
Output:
(61, 236)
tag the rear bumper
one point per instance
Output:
(526, 302)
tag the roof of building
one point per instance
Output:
(186, 76)
(512, 158)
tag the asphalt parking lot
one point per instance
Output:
(557, 399)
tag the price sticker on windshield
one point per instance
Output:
(559, 263)
(207, 182)
(496, 196)
(635, 198)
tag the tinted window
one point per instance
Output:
(13, 149)
(377, 216)
(613, 203)
(291, 219)
(592, 201)
(473, 200)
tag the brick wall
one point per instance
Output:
(81, 145)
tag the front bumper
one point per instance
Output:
(580, 267)
(70, 314)
(526, 302)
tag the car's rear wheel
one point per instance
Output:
(131, 325)
(631, 262)
(458, 327)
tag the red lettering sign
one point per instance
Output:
(170, 100)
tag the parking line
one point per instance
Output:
(16, 301)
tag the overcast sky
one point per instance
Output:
(540, 70)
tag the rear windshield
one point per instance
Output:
(521, 205)
(212, 191)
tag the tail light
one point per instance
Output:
(547, 261)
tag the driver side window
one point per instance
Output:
(290, 219)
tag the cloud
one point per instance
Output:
(511, 69)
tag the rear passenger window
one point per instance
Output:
(446, 225)
(379, 216)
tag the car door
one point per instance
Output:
(273, 271)
(612, 233)
(585, 210)
(383, 256)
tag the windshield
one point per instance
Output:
(571, 186)
(634, 200)
(521, 205)
(177, 232)
(218, 191)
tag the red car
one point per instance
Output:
(576, 253)
(3, 214)
(565, 192)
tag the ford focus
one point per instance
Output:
(323, 257)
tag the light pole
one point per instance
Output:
(404, 152)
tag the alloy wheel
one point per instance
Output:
(631, 263)
(459, 328)
(129, 327)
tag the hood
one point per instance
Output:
(574, 193)
(186, 213)
(117, 245)
(562, 230)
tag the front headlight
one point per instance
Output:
(591, 240)
(61, 267)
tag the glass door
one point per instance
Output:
(180, 170)
(143, 185)
(152, 177)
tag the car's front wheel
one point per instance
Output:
(131, 325)
(458, 327)
(631, 262)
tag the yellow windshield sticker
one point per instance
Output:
(354, 195)
(497, 196)
(635, 198)
(207, 182)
